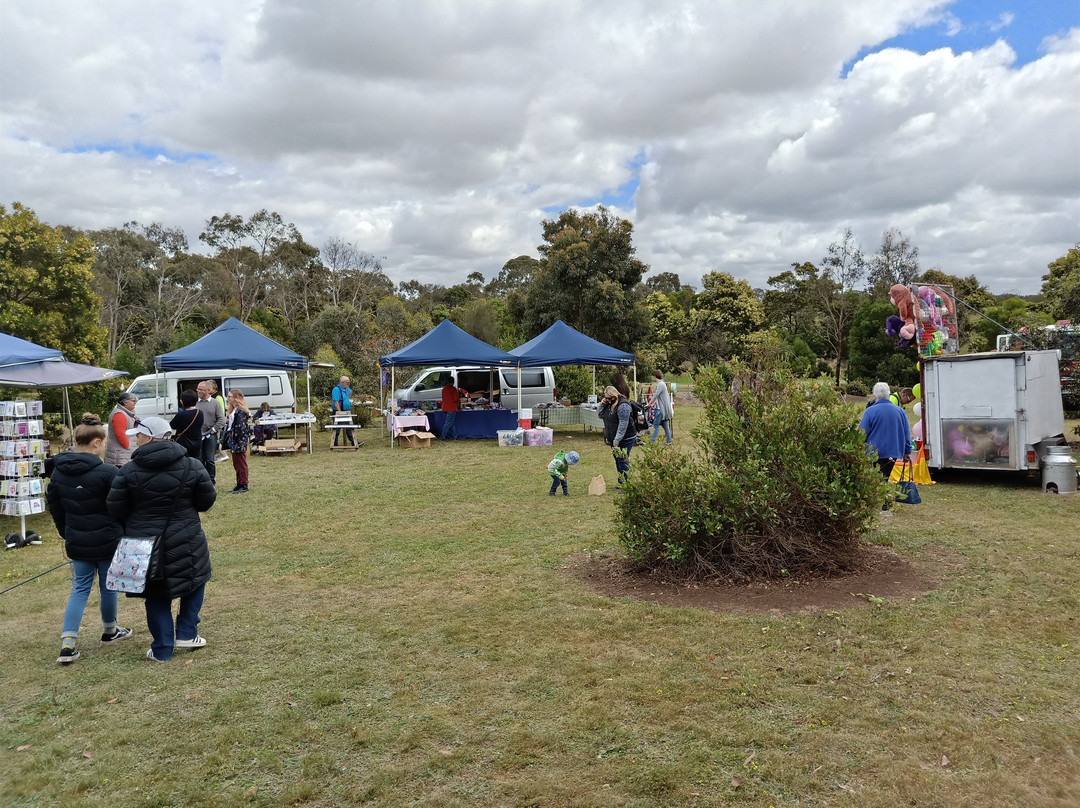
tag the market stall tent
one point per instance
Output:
(15, 351)
(232, 345)
(446, 344)
(27, 364)
(562, 345)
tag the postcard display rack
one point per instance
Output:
(22, 460)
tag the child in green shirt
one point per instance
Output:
(558, 467)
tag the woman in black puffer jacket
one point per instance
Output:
(161, 480)
(78, 484)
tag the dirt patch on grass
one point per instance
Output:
(882, 574)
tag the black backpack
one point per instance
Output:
(640, 415)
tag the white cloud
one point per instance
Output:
(435, 133)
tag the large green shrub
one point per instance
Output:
(574, 382)
(780, 484)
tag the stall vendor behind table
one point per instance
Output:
(451, 395)
(341, 401)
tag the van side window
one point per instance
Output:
(249, 385)
(529, 378)
(433, 381)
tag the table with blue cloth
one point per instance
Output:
(475, 423)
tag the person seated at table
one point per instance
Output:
(267, 432)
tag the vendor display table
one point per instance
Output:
(476, 423)
(564, 416)
(343, 440)
(293, 419)
(398, 423)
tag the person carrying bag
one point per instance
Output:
(907, 493)
(158, 497)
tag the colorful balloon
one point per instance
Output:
(916, 430)
(917, 409)
(917, 391)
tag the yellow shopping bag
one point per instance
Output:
(920, 471)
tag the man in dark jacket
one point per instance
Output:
(78, 486)
(161, 492)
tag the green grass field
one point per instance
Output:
(397, 628)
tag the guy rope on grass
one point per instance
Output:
(28, 580)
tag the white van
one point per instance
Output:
(537, 384)
(159, 393)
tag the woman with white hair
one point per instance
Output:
(118, 446)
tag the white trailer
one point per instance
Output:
(992, 410)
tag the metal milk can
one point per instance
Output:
(1059, 471)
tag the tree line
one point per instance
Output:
(122, 295)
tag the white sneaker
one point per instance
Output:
(197, 642)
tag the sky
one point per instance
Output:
(438, 136)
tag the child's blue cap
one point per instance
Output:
(572, 458)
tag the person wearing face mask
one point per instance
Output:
(78, 486)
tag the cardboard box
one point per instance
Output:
(415, 440)
(541, 436)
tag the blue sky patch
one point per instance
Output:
(621, 197)
(969, 25)
(137, 149)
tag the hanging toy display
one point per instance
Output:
(902, 326)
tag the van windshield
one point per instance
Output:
(148, 388)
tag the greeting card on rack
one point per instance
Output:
(37, 505)
(7, 409)
(22, 428)
(24, 488)
(22, 448)
(20, 409)
(23, 469)
(35, 486)
(33, 408)
(36, 427)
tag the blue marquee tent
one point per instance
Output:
(232, 345)
(562, 345)
(446, 344)
(26, 364)
(15, 351)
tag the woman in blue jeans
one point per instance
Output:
(161, 493)
(620, 429)
(76, 494)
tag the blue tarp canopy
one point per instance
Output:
(27, 364)
(446, 344)
(563, 345)
(232, 345)
(15, 351)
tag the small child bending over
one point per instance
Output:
(558, 467)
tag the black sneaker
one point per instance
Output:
(240, 489)
(551, 493)
(121, 633)
(68, 654)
